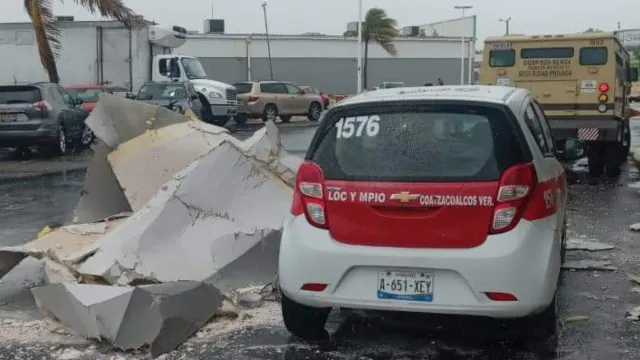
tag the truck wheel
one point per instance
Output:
(627, 139)
(595, 154)
(303, 321)
(220, 120)
(612, 159)
(207, 114)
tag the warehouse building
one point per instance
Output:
(103, 51)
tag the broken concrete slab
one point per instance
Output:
(102, 195)
(114, 121)
(217, 209)
(635, 227)
(587, 245)
(162, 315)
(63, 244)
(145, 163)
(589, 265)
(633, 314)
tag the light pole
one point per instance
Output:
(462, 8)
(506, 24)
(359, 46)
(266, 29)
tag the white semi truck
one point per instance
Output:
(106, 52)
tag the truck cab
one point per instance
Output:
(218, 99)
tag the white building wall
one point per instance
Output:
(315, 47)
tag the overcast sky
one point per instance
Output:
(331, 16)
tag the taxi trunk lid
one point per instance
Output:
(418, 176)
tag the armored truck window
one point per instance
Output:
(593, 56)
(502, 58)
(547, 53)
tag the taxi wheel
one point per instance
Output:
(304, 321)
(542, 336)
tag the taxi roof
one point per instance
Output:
(482, 93)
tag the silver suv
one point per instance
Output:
(40, 114)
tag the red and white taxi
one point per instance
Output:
(445, 200)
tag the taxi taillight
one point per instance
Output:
(308, 196)
(516, 185)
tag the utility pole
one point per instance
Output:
(506, 23)
(360, 61)
(462, 8)
(266, 29)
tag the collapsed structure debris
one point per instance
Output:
(175, 215)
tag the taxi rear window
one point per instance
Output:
(417, 144)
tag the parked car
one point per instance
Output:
(89, 94)
(177, 96)
(634, 98)
(272, 99)
(378, 203)
(40, 114)
(323, 95)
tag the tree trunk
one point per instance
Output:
(365, 61)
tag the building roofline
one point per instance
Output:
(310, 37)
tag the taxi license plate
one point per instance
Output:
(8, 117)
(405, 285)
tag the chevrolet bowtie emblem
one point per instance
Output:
(405, 196)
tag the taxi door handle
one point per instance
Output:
(546, 94)
(570, 90)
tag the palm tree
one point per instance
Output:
(48, 34)
(378, 28)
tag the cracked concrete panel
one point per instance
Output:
(143, 164)
(116, 120)
(64, 245)
(71, 304)
(222, 207)
(102, 195)
(588, 245)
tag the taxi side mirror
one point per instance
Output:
(571, 149)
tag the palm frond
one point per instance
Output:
(381, 29)
(113, 9)
(47, 35)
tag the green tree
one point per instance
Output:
(48, 34)
(378, 28)
(593, 30)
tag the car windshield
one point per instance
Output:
(86, 95)
(193, 69)
(430, 143)
(162, 91)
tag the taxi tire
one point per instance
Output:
(304, 321)
(542, 337)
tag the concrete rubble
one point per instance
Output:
(175, 216)
(587, 245)
(589, 265)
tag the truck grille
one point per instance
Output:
(231, 96)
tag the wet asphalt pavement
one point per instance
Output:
(599, 209)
